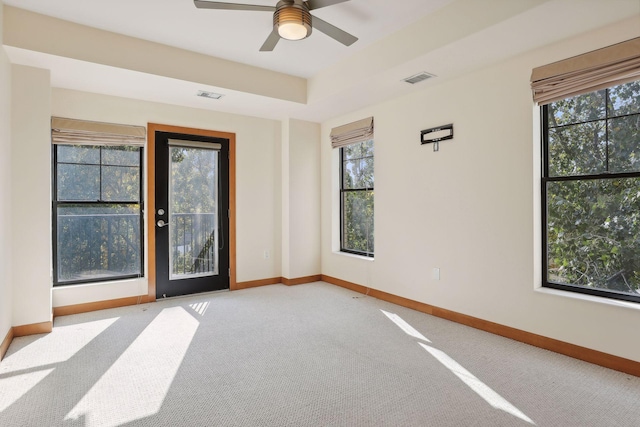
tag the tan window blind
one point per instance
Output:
(352, 133)
(586, 73)
(82, 132)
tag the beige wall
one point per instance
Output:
(471, 209)
(257, 179)
(31, 195)
(5, 191)
(301, 199)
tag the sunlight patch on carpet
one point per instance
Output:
(484, 391)
(14, 387)
(200, 307)
(407, 328)
(58, 346)
(137, 383)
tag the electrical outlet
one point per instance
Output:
(267, 255)
(435, 274)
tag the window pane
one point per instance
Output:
(624, 99)
(121, 156)
(121, 184)
(624, 147)
(581, 108)
(193, 238)
(78, 154)
(356, 151)
(358, 173)
(78, 182)
(357, 227)
(593, 229)
(193, 168)
(578, 149)
(98, 242)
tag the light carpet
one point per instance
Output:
(307, 355)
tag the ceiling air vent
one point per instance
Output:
(420, 77)
(210, 95)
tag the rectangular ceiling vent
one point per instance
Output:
(210, 95)
(417, 78)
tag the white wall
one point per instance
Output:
(6, 298)
(301, 201)
(31, 195)
(470, 209)
(257, 180)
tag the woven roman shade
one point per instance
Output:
(82, 132)
(586, 73)
(352, 133)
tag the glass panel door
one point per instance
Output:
(191, 214)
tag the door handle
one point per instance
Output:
(161, 223)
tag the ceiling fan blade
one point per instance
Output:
(200, 4)
(271, 41)
(317, 4)
(333, 31)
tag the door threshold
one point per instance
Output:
(192, 295)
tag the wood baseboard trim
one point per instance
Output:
(32, 329)
(258, 283)
(344, 284)
(302, 280)
(596, 357)
(6, 342)
(99, 305)
(278, 280)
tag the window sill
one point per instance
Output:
(97, 284)
(590, 298)
(350, 255)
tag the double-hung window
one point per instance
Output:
(591, 188)
(356, 198)
(97, 202)
(355, 142)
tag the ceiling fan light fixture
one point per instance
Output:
(293, 20)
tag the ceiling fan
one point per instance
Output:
(292, 20)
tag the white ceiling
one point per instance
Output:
(382, 26)
(238, 35)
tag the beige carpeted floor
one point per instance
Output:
(308, 355)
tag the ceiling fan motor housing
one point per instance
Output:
(292, 19)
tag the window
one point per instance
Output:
(591, 192)
(356, 198)
(355, 144)
(97, 210)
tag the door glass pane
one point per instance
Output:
(193, 206)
